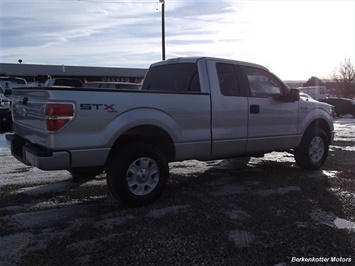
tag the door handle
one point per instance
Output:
(254, 109)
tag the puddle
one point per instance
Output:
(12, 244)
(21, 170)
(111, 223)
(344, 148)
(237, 215)
(328, 218)
(241, 239)
(229, 190)
(283, 190)
(157, 213)
(47, 217)
(330, 174)
(344, 224)
(277, 157)
(45, 189)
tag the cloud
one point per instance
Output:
(58, 29)
(289, 36)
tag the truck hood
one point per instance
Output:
(310, 104)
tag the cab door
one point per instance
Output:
(272, 123)
(229, 125)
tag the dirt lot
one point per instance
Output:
(269, 212)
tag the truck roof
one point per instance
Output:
(195, 59)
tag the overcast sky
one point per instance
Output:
(294, 39)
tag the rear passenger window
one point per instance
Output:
(182, 77)
(227, 79)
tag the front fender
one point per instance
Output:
(320, 117)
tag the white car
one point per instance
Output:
(306, 96)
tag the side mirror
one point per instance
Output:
(7, 92)
(292, 96)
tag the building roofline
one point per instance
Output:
(33, 70)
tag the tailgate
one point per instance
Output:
(28, 108)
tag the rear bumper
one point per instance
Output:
(31, 154)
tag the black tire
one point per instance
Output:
(313, 151)
(137, 174)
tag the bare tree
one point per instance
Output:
(344, 75)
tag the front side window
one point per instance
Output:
(180, 77)
(262, 83)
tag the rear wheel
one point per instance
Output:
(313, 151)
(137, 174)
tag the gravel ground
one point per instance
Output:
(269, 212)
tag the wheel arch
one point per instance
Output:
(146, 134)
(322, 124)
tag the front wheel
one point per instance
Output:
(137, 174)
(313, 151)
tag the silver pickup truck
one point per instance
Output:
(188, 108)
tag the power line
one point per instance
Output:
(121, 2)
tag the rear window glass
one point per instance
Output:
(181, 77)
(227, 79)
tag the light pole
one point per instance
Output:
(163, 28)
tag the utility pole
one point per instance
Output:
(163, 28)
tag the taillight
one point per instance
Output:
(58, 115)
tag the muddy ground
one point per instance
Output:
(269, 212)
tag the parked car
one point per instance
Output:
(5, 112)
(316, 92)
(342, 106)
(306, 96)
(8, 82)
(113, 85)
(66, 82)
